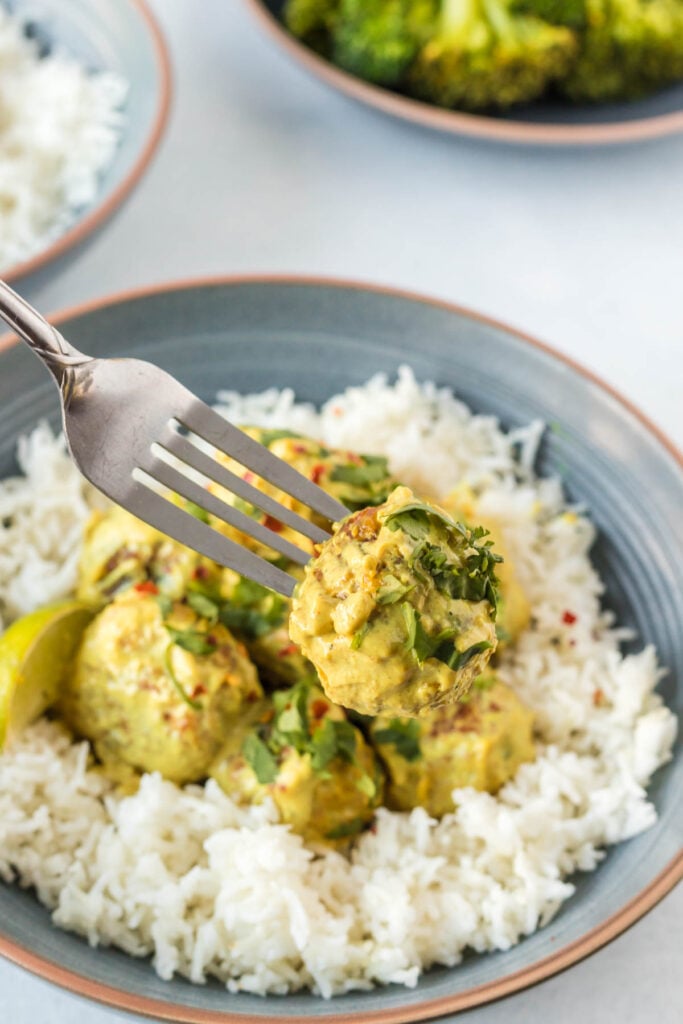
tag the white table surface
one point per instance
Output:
(263, 170)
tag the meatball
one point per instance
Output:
(396, 611)
(479, 743)
(120, 551)
(357, 481)
(158, 687)
(514, 610)
(299, 749)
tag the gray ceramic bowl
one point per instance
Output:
(546, 122)
(114, 35)
(320, 337)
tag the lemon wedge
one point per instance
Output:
(35, 654)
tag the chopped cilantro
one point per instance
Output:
(333, 739)
(458, 659)
(359, 636)
(194, 704)
(374, 469)
(259, 758)
(165, 605)
(197, 511)
(203, 605)
(347, 829)
(417, 640)
(392, 590)
(191, 640)
(404, 735)
(268, 437)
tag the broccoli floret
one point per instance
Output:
(378, 39)
(483, 55)
(312, 21)
(628, 48)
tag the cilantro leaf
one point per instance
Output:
(404, 735)
(347, 829)
(374, 469)
(458, 659)
(267, 437)
(333, 739)
(260, 759)
(191, 640)
(203, 605)
(197, 511)
(194, 704)
(392, 590)
(359, 636)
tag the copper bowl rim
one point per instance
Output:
(545, 968)
(456, 122)
(101, 212)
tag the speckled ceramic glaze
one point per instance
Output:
(114, 35)
(546, 122)
(320, 337)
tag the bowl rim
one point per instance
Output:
(102, 211)
(455, 122)
(560, 959)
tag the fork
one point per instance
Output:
(136, 433)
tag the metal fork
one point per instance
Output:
(124, 418)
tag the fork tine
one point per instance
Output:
(194, 457)
(176, 481)
(159, 512)
(208, 424)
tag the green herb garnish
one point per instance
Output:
(267, 437)
(260, 759)
(333, 739)
(404, 735)
(348, 829)
(194, 704)
(197, 511)
(392, 590)
(203, 605)
(359, 636)
(191, 640)
(374, 469)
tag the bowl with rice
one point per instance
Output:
(181, 902)
(84, 96)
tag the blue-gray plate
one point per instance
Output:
(550, 122)
(106, 35)
(320, 337)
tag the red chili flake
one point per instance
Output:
(199, 690)
(210, 639)
(249, 477)
(146, 587)
(598, 698)
(568, 618)
(317, 472)
(273, 524)
(319, 708)
(300, 449)
(285, 651)
(201, 572)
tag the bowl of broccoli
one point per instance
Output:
(538, 71)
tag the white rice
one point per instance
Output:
(209, 888)
(59, 128)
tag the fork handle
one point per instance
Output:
(59, 356)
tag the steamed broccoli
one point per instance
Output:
(483, 55)
(312, 21)
(378, 39)
(628, 49)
